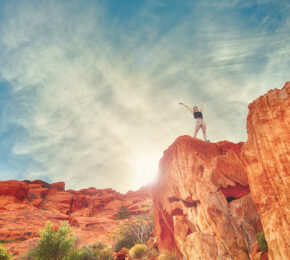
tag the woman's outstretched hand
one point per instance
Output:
(180, 103)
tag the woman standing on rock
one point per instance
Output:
(200, 123)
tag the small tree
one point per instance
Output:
(54, 244)
(3, 254)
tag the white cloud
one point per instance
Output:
(99, 112)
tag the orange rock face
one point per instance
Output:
(25, 208)
(12, 191)
(202, 204)
(207, 195)
(267, 154)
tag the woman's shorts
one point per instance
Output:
(201, 122)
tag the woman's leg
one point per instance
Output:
(204, 131)
(197, 127)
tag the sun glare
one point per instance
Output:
(144, 168)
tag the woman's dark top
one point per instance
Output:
(197, 114)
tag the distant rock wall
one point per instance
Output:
(26, 206)
(267, 155)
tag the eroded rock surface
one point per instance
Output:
(267, 155)
(202, 202)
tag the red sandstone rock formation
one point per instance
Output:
(202, 205)
(267, 155)
(12, 191)
(26, 206)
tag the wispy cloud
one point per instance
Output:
(97, 87)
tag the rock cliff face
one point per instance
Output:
(26, 206)
(202, 204)
(208, 195)
(267, 156)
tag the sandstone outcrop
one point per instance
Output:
(12, 191)
(211, 199)
(267, 156)
(25, 208)
(202, 202)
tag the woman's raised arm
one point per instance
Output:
(190, 110)
(201, 107)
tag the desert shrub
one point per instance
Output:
(123, 213)
(3, 254)
(131, 234)
(94, 252)
(262, 243)
(54, 244)
(75, 254)
(169, 255)
(123, 242)
(104, 254)
(138, 251)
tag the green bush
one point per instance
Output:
(94, 252)
(123, 213)
(126, 242)
(54, 244)
(3, 254)
(262, 243)
(138, 251)
(75, 254)
(60, 245)
(131, 234)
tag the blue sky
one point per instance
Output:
(89, 90)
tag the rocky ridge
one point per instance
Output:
(26, 206)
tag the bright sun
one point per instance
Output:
(144, 168)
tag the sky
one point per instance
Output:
(89, 90)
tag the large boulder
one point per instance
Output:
(202, 206)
